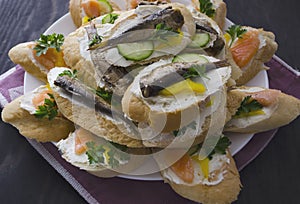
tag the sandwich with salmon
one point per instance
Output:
(38, 57)
(98, 156)
(208, 179)
(249, 49)
(36, 116)
(255, 109)
(83, 10)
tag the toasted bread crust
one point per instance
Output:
(74, 59)
(42, 130)
(263, 55)
(21, 54)
(225, 192)
(93, 121)
(75, 11)
(220, 14)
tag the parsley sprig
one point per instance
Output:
(97, 154)
(48, 41)
(206, 7)
(235, 31)
(220, 148)
(48, 110)
(162, 32)
(71, 74)
(195, 71)
(96, 39)
(248, 105)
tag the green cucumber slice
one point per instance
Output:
(136, 51)
(200, 40)
(190, 57)
(105, 6)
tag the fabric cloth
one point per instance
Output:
(112, 190)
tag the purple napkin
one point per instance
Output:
(100, 190)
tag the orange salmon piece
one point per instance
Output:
(245, 48)
(51, 59)
(184, 169)
(82, 136)
(91, 8)
(39, 99)
(266, 97)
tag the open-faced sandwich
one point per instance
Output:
(36, 116)
(249, 48)
(208, 179)
(38, 57)
(83, 10)
(255, 109)
(99, 156)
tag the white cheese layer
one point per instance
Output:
(213, 82)
(217, 169)
(26, 102)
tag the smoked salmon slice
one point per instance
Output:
(266, 97)
(245, 48)
(39, 99)
(184, 169)
(81, 138)
(51, 59)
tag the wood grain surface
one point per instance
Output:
(25, 177)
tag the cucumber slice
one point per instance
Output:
(200, 40)
(190, 57)
(136, 51)
(105, 6)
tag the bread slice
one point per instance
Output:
(223, 191)
(267, 49)
(86, 117)
(111, 162)
(220, 11)
(42, 130)
(77, 12)
(167, 114)
(22, 54)
(281, 111)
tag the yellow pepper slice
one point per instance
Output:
(204, 165)
(252, 113)
(186, 85)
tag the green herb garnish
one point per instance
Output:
(195, 71)
(206, 7)
(48, 41)
(235, 31)
(69, 73)
(100, 154)
(96, 39)
(221, 146)
(248, 105)
(162, 32)
(110, 18)
(48, 110)
(101, 92)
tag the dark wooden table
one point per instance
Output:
(25, 177)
